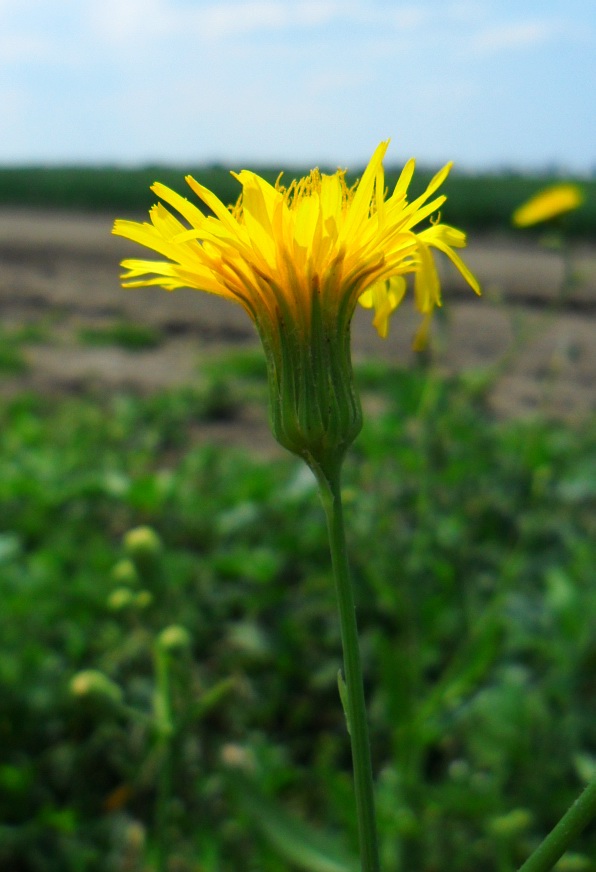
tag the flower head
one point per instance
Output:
(280, 245)
(547, 204)
(298, 258)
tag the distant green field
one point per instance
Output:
(481, 202)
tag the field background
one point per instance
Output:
(479, 201)
(59, 276)
(471, 498)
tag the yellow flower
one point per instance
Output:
(547, 204)
(298, 259)
(278, 246)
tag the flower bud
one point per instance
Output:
(174, 638)
(93, 684)
(120, 599)
(144, 548)
(124, 573)
(143, 544)
(510, 825)
(143, 599)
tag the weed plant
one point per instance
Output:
(472, 545)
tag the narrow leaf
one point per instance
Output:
(343, 695)
(311, 849)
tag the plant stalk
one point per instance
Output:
(355, 705)
(164, 728)
(558, 840)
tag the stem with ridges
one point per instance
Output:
(558, 840)
(356, 715)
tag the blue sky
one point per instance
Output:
(488, 83)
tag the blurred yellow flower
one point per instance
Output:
(547, 204)
(279, 247)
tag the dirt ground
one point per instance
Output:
(60, 272)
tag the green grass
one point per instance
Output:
(12, 359)
(472, 545)
(128, 335)
(484, 201)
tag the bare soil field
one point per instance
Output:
(59, 273)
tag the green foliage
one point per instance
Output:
(484, 201)
(472, 545)
(12, 360)
(132, 336)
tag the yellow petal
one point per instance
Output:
(439, 237)
(188, 210)
(436, 181)
(421, 338)
(360, 205)
(405, 177)
(424, 212)
(385, 297)
(331, 199)
(427, 288)
(215, 204)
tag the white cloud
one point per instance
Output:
(406, 17)
(120, 21)
(466, 11)
(226, 19)
(22, 48)
(516, 36)
(117, 21)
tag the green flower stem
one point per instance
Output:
(558, 840)
(356, 710)
(164, 728)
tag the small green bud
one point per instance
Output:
(508, 826)
(174, 638)
(143, 544)
(144, 548)
(120, 599)
(143, 599)
(124, 572)
(93, 684)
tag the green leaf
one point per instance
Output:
(343, 695)
(296, 841)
